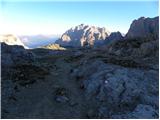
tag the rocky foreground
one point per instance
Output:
(116, 81)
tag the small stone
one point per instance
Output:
(21, 75)
(16, 78)
(82, 86)
(73, 103)
(56, 74)
(105, 81)
(61, 91)
(62, 99)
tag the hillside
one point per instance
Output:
(119, 80)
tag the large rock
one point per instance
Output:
(144, 27)
(11, 40)
(120, 89)
(140, 41)
(15, 55)
(83, 35)
(135, 47)
(12, 55)
(140, 112)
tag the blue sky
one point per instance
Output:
(56, 17)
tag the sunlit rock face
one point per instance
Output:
(53, 47)
(10, 39)
(144, 27)
(83, 35)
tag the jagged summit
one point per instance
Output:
(83, 35)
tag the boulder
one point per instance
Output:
(119, 88)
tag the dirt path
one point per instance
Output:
(47, 107)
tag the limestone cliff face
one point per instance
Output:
(144, 27)
(83, 35)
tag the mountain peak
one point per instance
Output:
(82, 35)
(144, 27)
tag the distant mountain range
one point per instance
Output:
(34, 41)
(85, 35)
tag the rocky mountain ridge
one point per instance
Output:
(83, 35)
(118, 81)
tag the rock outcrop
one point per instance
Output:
(12, 55)
(83, 35)
(120, 90)
(113, 37)
(15, 55)
(135, 48)
(144, 27)
(11, 40)
(53, 47)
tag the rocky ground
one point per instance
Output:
(118, 81)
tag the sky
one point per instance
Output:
(55, 17)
